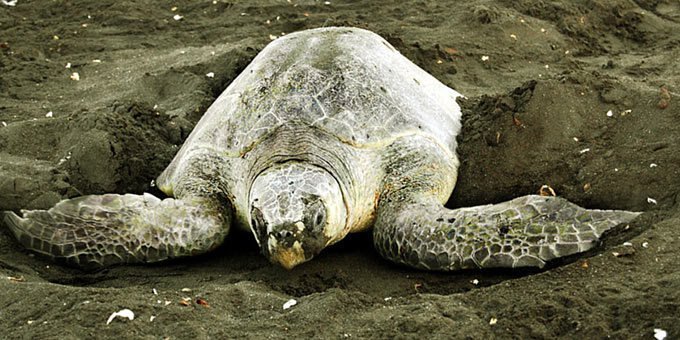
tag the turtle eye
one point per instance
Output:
(315, 216)
(257, 223)
(320, 217)
(257, 218)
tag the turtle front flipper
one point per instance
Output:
(524, 232)
(101, 230)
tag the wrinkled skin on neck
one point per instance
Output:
(296, 210)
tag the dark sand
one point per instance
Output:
(558, 67)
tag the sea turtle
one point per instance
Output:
(328, 131)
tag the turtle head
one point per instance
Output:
(296, 210)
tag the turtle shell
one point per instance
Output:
(348, 82)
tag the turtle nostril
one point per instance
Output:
(285, 233)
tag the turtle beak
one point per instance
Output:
(289, 246)
(287, 257)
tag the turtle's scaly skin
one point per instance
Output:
(524, 232)
(99, 230)
(342, 108)
(414, 228)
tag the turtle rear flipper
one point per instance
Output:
(525, 232)
(101, 230)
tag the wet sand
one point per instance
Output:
(578, 95)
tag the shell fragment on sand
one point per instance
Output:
(123, 313)
(289, 303)
(660, 334)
